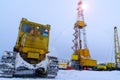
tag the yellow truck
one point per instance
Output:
(28, 57)
(111, 66)
(101, 67)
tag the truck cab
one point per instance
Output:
(32, 42)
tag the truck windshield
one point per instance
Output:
(27, 28)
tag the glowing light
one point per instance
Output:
(84, 6)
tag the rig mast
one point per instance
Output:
(81, 56)
(116, 48)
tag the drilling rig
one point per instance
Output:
(116, 48)
(81, 58)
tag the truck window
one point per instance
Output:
(45, 32)
(27, 28)
(42, 31)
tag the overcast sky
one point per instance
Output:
(101, 16)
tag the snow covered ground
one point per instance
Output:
(78, 75)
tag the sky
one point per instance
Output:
(100, 16)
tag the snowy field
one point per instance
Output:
(78, 75)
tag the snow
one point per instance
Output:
(89, 75)
(78, 75)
